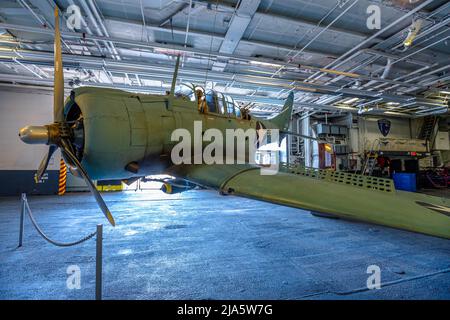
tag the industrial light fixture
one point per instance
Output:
(393, 113)
(413, 31)
(265, 64)
(345, 107)
(364, 110)
(445, 92)
(351, 100)
(393, 103)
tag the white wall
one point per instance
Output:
(369, 132)
(20, 107)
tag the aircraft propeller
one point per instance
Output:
(58, 134)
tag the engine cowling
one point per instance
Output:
(117, 129)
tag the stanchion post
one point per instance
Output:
(98, 263)
(22, 214)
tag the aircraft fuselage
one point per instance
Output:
(122, 127)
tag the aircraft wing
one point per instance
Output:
(345, 195)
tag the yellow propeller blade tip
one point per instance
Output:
(111, 219)
(56, 12)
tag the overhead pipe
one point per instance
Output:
(290, 20)
(393, 60)
(132, 67)
(419, 76)
(143, 89)
(318, 75)
(317, 35)
(28, 68)
(164, 29)
(159, 90)
(91, 17)
(140, 44)
(415, 52)
(394, 57)
(376, 55)
(405, 76)
(188, 23)
(146, 45)
(260, 100)
(88, 29)
(217, 36)
(44, 23)
(102, 26)
(386, 71)
(244, 78)
(431, 29)
(412, 34)
(430, 83)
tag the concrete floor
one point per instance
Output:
(200, 245)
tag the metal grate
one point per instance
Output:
(365, 182)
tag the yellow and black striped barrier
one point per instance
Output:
(62, 178)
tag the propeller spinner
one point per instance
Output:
(58, 134)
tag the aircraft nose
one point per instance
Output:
(34, 134)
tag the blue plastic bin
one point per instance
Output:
(405, 181)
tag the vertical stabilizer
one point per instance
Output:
(281, 121)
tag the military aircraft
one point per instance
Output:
(113, 134)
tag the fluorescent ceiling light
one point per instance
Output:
(445, 92)
(351, 100)
(393, 103)
(393, 113)
(345, 107)
(363, 110)
(265, 64)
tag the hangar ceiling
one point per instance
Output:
(256, 51)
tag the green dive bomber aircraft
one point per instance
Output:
(113, 134)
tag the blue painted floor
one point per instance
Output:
(200, 245)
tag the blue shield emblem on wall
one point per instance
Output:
(385, 126)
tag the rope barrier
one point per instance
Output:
(26, 207)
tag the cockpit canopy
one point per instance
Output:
(216, 102)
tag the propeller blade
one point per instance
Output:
(44, 162)
(101, 203)
(58, 81)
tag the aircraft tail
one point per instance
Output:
(281, 121)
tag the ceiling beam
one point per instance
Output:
(236, 29)
(188, 72)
